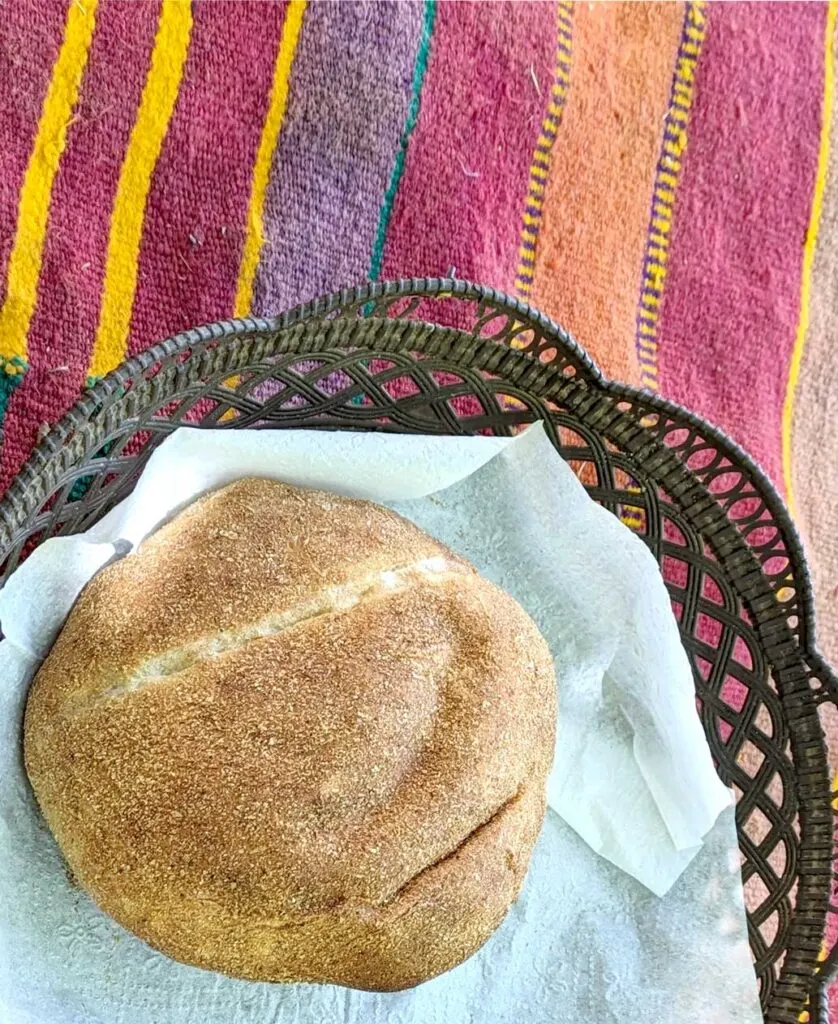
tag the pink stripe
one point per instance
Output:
(30, 38)
(465, 178)
(197, 206)
(732, 294)
(64, 325)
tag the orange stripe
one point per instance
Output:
(596, 209)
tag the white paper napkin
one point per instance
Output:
(632, 776)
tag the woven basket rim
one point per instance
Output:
(98, 394)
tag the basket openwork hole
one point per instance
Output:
(734, 693)
(746, 510)
(708, 629)
(750, 758)
(777, 567)
(774, 789)
(305, 367)
(756, 891)
(725, 484)
(333, 383)
(711, 591)
(778, 857)
(764, 723)
(702, 458)
(763, 535)
(465, 407)
(570, 438)
(445, 378)
(624, 481)
(509, 403)
(702, 666)
(585, 470)
(403, 386)
(296, 402)
(678, 437)
(672, 532)
(498, 326)
(756, 825)
(524, 340)
(742, 654)
(675, 571)
(770, 927)
(677, 609)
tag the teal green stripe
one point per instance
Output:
(11, 374)
(410, 123)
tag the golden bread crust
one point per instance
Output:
(293, 738)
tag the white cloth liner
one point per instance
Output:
(632, 777)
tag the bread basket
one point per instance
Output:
(450, 357)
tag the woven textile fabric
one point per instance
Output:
(660, 178)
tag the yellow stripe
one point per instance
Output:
(809, 249)
(24, 268)
(153, 115)
(255, 237)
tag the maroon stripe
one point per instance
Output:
(64, 325)
(197, 206)
(30, 38)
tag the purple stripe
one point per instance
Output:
(350, 89)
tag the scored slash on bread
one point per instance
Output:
(294, 738)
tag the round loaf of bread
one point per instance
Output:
(293, 738)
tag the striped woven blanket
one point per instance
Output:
(657, 177)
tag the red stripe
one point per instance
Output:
(64, 325)
(30, 38)
(732, 293)
(465, 178)
(197, 205)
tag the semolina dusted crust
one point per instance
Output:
(293, 738)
